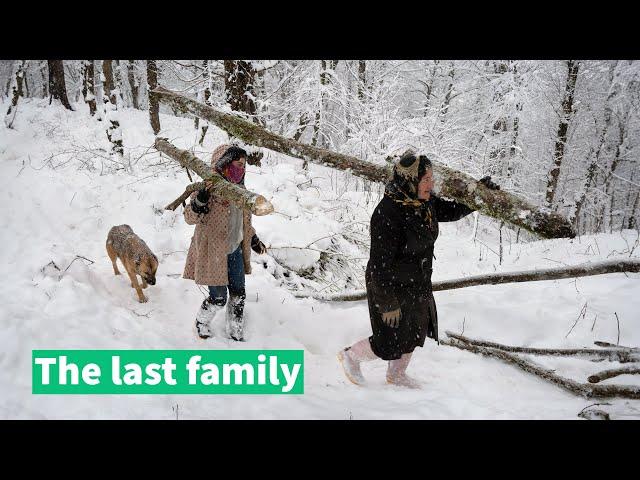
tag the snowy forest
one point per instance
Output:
(88, 144)
(562, 134)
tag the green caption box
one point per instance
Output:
(168, 371)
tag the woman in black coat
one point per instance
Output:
(404, 228)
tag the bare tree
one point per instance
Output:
(57, 86)
(206, 97)
(324, 81)
(88, 89)
(239, 84)
(362, 78)
(109, 99)
(563, 127)
(16, 92)
(133, 84)
(154, 106)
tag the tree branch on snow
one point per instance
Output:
(613, 345)
(614, 372)
(581, 389)
(449, 183)
(596, 268)
(612, 354)
(245, 199)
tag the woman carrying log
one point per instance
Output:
(402, 310)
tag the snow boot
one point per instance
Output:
(235, 317)
(397, 375)
(207, 311)
(351, 367)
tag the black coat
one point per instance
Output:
(398, 273)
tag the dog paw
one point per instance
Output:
(143, 299)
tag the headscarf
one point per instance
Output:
(222, 157)
(407, 173)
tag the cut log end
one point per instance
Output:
(262, 206)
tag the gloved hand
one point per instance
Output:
(392, 318)
(200, 204)
(486, 181)
(257, 246)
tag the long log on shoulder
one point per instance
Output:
(449, 183)
(243, 198)
(596, 268)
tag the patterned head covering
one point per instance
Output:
(223, 155)
(408, 171)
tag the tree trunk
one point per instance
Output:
(634, 209)
(239, 85)
(16, 92)
(88, 89)
(599, 268)
(362, 78)
(563, 127)
(622, 131)
(318, 137)
(207, 98)
(449, 183)
(118, 83)
(133, 84)
(241, 197)
(109, 86)
(57, 85)
(45, 83)
(591, 170)
(109, 98)
(154, 107)
(447, 98)
(26, 85)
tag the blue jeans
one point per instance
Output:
(235, 269)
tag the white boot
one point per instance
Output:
(351, 367)
(351, 357)
(397, 375)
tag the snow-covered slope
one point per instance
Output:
(62, 193)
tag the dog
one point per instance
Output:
(135, 255)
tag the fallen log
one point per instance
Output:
(581, 389)
(597, 268)
(449, 183)
(615, 355)
(614, 372)
(243, 198)
(613, 345)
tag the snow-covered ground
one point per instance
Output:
(61, 195)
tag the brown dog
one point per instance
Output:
(135, 255)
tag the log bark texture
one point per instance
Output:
(245, 199)
(598, 268)
(449, 183)
(581, 389)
